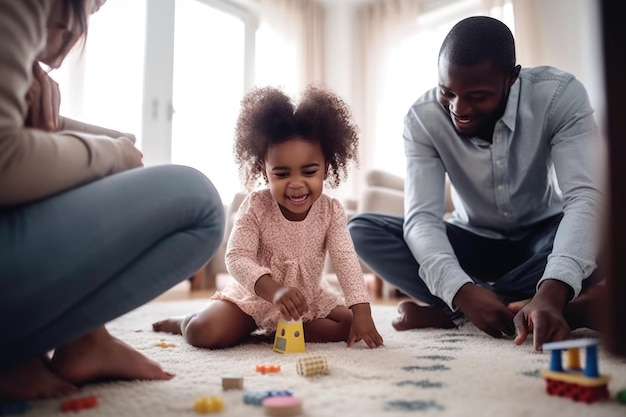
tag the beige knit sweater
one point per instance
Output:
(35, 163)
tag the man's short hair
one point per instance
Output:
(479, 38)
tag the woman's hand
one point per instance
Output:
(363, 327)
(132, 157)
(290, 302)
(43, 100)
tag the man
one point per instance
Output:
(518, 146)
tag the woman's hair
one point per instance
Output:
(76, 12)
(268, 117)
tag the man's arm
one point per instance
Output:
(577, 150)
(424, 207)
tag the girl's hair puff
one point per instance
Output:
(268, 117)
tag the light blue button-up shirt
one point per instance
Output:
(543, 160)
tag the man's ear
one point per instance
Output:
(514, 75)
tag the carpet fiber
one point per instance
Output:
(429, 372)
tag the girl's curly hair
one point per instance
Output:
(268, 117)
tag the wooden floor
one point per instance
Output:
(183, 292)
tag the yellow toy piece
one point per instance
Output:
(289, 337)
(206, 405)
(163, 344)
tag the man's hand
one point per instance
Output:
(485, 310)
(43, 100)
(544, 315)
(363, 327)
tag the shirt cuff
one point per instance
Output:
(566, 270)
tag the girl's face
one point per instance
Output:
(295, 171)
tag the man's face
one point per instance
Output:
(474, 95)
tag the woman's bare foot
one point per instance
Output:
(169, 325)
(413, 316)
(98, 355)
(32, 380)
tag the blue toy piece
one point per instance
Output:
(257, 397)
(14, 408)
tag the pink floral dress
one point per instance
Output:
(293, 253)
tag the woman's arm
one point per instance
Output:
(35, 163)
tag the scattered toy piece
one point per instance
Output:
(312, 365)
(289, 337)
(282, 406)
(78, 404)
(163, 344)
(206, 405)
(257, 397)
(232, 382)
(13, 408)
(267, 368)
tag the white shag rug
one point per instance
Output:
(427, 372)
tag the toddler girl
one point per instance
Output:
(282, 233)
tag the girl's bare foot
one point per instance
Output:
(98, 355)
(413, 316)
(32, 380)
(169, 325)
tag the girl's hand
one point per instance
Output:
(43, 100)
(363, 327)
(290, 302)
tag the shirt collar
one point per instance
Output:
(509, 117)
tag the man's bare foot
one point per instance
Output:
(98, 355)
(169, 325)
(32, 380)
(516, 306)
(413, 316)
(587, 309)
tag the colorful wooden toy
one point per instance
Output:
(232, 382)
(312, 365)
(573, 381)
(282, 406)
(289, 337)
(267, 368)
(206, 405)
(257, 397)
(78, 404)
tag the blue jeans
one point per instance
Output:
(74, 261)
(510, 268)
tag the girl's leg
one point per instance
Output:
(72, 262)
(221, 324)
(333, 328)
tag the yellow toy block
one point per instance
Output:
(289, 337)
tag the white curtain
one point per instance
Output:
(290, 44)
(378, 26)
(528, 33)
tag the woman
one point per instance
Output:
(86, 233)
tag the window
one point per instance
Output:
(173, 73)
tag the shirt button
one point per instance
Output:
(500, 187)
(505, 213)
(500, 162)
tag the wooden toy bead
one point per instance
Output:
(312, 365)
